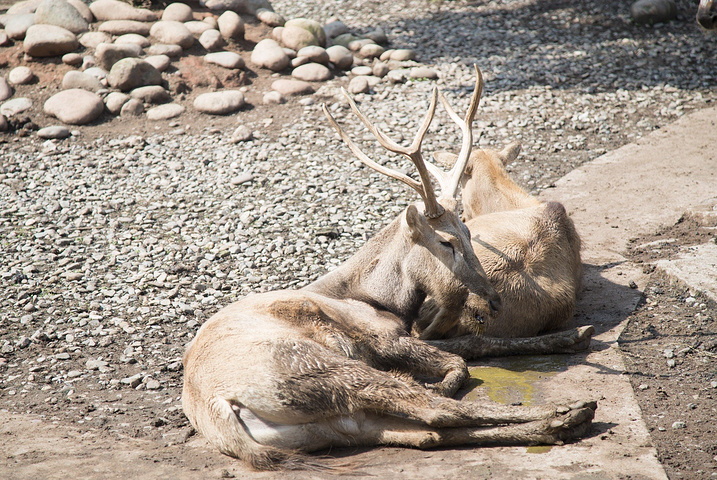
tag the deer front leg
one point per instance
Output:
(472, 347)
(415, 357)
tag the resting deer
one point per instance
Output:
(531, 253)
(284, 372)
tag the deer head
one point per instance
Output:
(440, 261)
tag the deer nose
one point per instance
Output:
(495, 305)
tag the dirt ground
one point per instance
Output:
(670, 348)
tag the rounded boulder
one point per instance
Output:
(75, 106)
(49, 41)
(173, 33)
(269, 54)
(219, 103)
(178, 12)
(130, 73)
(61, 14)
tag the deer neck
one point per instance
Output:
(375, 275)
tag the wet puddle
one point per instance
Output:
(515, 381)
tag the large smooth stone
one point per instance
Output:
(231, 25)
(314, 54)
(310, 25)
(77, 79)
(21, 75)
(49, 41)
(61, 14)
(6, 90)
(171, 51)
(151, 94)
(107, 54)
(54, 132)
(219, 103)
(123, 27)
(225, 59)
(134, 39)
(340, 56)
(269, 54)
(92, 39)
(212, 40)
(130, 73)
(160, 62)
(15, 106)
(177, 12)
(16, 25)
(173, 33)
(312, 72)
(296, 38)
(75, 106)
(272, 19)
(115, 101)
(117, 10)
(649, 12)
(165, 112)
(197, 27)
(292, 87)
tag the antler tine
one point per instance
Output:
(367, 161)
(432, 208)
(449, 182)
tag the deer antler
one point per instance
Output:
(449, 181)
(424, 188)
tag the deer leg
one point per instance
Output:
(472, 347)
(381, 430)
(415, 357)
(416, 403)
(318, 383)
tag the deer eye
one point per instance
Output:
(447, 245)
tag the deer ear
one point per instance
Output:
(448, 159)
(445, 159)
(415, 222)
(510, 153)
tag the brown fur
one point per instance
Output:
(529, 250)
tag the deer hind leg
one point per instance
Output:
(396, 397)
(381, 430)
(471, 347)
(317, 383)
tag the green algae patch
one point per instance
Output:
(538, 449)
(515, 380)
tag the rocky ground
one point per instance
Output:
(117, 243)
(670, 347)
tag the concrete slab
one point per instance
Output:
(696, 266)
(636, 188)
(628, 192)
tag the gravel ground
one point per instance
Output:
(114, 250)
